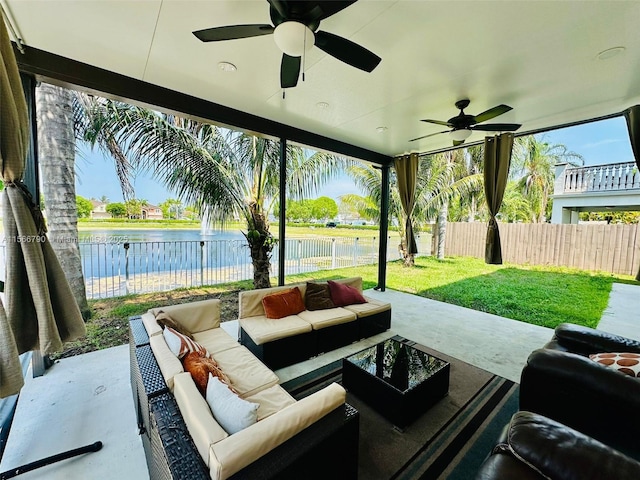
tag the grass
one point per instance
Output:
(543, 296)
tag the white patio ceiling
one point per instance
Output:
(540, 57)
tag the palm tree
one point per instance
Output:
(224, 174)
(436, 184)
(56, 149)
(532, 166)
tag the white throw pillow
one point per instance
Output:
(230, 411)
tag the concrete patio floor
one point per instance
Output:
(87, 398)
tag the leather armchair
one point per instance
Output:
(533, 447)
(562, 383)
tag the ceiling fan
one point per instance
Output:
(295, 30)
(463, 125)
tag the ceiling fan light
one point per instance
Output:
(293, 38)
(460, 135)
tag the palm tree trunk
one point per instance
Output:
(442, 229)
(261, 244)
(56, 147)
(473, 208)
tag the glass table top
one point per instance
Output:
(397, 363)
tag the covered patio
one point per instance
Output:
(88, 398)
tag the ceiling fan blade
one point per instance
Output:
(438, 122)
(457, 142)
(497, 127)
(347, 51)
(233, 32)
(492, 113)
(280, 6)
(430, 135)
(324, 9)
(289, 71)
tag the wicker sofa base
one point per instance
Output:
(282, 352)
(326, 449)
(298, 348)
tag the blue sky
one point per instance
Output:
(599, 143)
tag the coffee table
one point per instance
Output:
(397, 378)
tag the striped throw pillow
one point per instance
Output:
(180, 344)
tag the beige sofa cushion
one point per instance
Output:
(355, 282)
(169, 364)
(372, 307)
(326, 318)
(248, 375)
(194, 316)
(215, 340)
(250, 301)
(262, 329)
(271, 400)
(150, 324)
(202, 427)
(232, 454)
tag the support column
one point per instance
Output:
(282, 226)
(384, 229)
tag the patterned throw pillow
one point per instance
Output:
(318, 297)
(230, 411)
(627, 363)
(180, 344)
(343, 295)
(282, 304)
(200, 368)
(164, 320)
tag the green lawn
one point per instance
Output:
(543, 296)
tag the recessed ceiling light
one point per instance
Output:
(227, 67)
(322, 105)
(610, 53)
(381, 129)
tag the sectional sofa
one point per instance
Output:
(279, 342)
(182, 437)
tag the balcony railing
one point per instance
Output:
(599, 178)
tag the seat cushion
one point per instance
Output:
(248, 375)
(372, 307)
(271, 400)
(215, 340)
(326, 318)
(262, 329)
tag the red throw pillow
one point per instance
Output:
(342, 294)
(283, 304)
(200, 367)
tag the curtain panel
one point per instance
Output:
(407, 174)
(497, 158)
(632, 116)
(41, 312)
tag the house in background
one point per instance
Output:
(99, 210)
(151, 212)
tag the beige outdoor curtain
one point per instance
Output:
(497, 157)
(632, 116)
(41, 312)
(407, 174)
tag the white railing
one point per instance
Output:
(617, 176)
(121, 268)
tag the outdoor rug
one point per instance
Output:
(449, 441)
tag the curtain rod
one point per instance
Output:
(7, 20)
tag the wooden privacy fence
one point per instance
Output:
(609, 248)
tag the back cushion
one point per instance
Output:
(194, 316)
(250, 301)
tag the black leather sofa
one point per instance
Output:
(533, 447)
(559, 381)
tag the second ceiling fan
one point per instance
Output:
(462, 125)
(295, 29)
